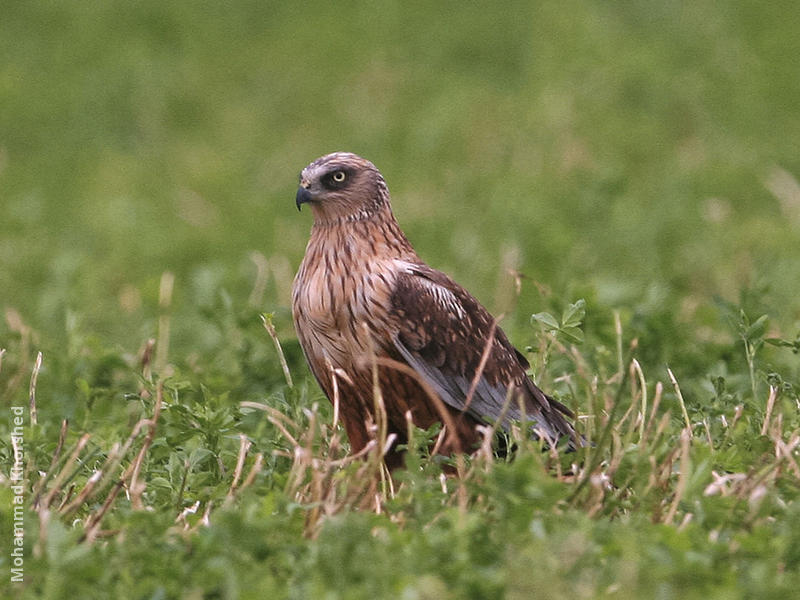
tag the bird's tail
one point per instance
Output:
(561, 422)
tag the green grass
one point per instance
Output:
(639, 155)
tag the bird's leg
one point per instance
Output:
(356, 433)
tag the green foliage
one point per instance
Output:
(640, 156)
(794, 344)
(568, 328)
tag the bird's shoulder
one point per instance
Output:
(433, 313)
(425, 295)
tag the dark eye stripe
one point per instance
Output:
(329, 179)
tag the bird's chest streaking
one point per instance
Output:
(335, 305)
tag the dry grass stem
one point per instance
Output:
(189, 510)
(94, 520)
(255, 469)
(275, 417)
(335, 385)
(32, 389)
(69, 467)
(79, 500)
(482, 364)
(51, 469)
(137, 489)
(267, 321)
(146, 361)
(773, 394)
(244, 447)
(683, 475)
(680, 399)
(653, 412)
(643, 389)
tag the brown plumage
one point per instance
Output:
(364, 302)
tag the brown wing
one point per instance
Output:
(442, 332)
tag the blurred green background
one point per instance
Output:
(641, 155)
(636, 153)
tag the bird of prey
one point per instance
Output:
(366, 307)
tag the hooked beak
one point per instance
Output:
(303, 197)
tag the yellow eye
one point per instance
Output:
(338, 176)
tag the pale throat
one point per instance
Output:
(327, 217)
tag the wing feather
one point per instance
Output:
(442, 332)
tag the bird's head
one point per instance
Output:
(342, 187)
